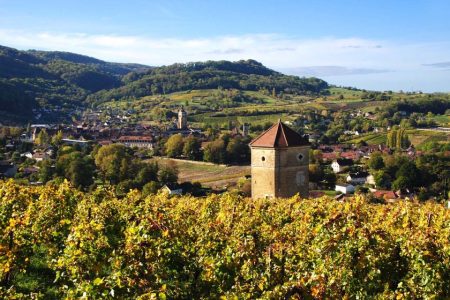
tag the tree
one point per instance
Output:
(174, 145)
(376, 161)
(317, 155)
(168, 174)
(391, 139)
(316, 173)
(397, 138)
(146, 172)
(215, 152)
(114, 162)
(407, 176)
(150, 188)
(382, 179)
(191, 148)
(42, 139)
(46, 170)
(75, 166)
(237, 151)
(401, 182)
(16, 156)
(80, 172)
(57, 138)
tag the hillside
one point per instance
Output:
(60, 81)
(98, 246)
(39, 79)
(242, 75)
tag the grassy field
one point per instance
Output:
(209, 175)
(335, 92)
(416, 136)
(216, 107)
(419, 137)
(442, 120)
(371, 139)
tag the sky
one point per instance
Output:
(369, 44)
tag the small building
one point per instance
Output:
(40, 156)
(357, 178)
(72, 142)
(371, 180)
(27, 155)
(172, 189)
(339, 164)
(137, 141)
(345, 188)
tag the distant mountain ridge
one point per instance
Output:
(45, 79)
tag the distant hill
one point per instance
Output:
(107, 67)
(46, 79)
(243, 75)
(33, 79)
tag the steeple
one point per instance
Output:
(182, 118)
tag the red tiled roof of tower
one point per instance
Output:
(279, 136)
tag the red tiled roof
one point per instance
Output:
(329, 156)
(279, 136)
(385, 194)
(354, 155)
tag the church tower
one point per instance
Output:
(279, 163)
(182, 119)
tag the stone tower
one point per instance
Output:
(279, 162)
(182, 119)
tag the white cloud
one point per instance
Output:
(334, 56)
(275, 50)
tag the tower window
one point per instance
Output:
(300, 157)
(263, 158)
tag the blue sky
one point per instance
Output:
(382, 45)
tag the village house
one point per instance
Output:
(81, 142)
(137, 141)
(40, 156)
(339, 164)
(370, 179)
(357, 178)
(172, 189)
(345, 188)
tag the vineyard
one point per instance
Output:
(57, 242)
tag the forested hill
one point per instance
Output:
(243, 75)
(32, 79)
(43, 79)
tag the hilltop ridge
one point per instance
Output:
(35, 79)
